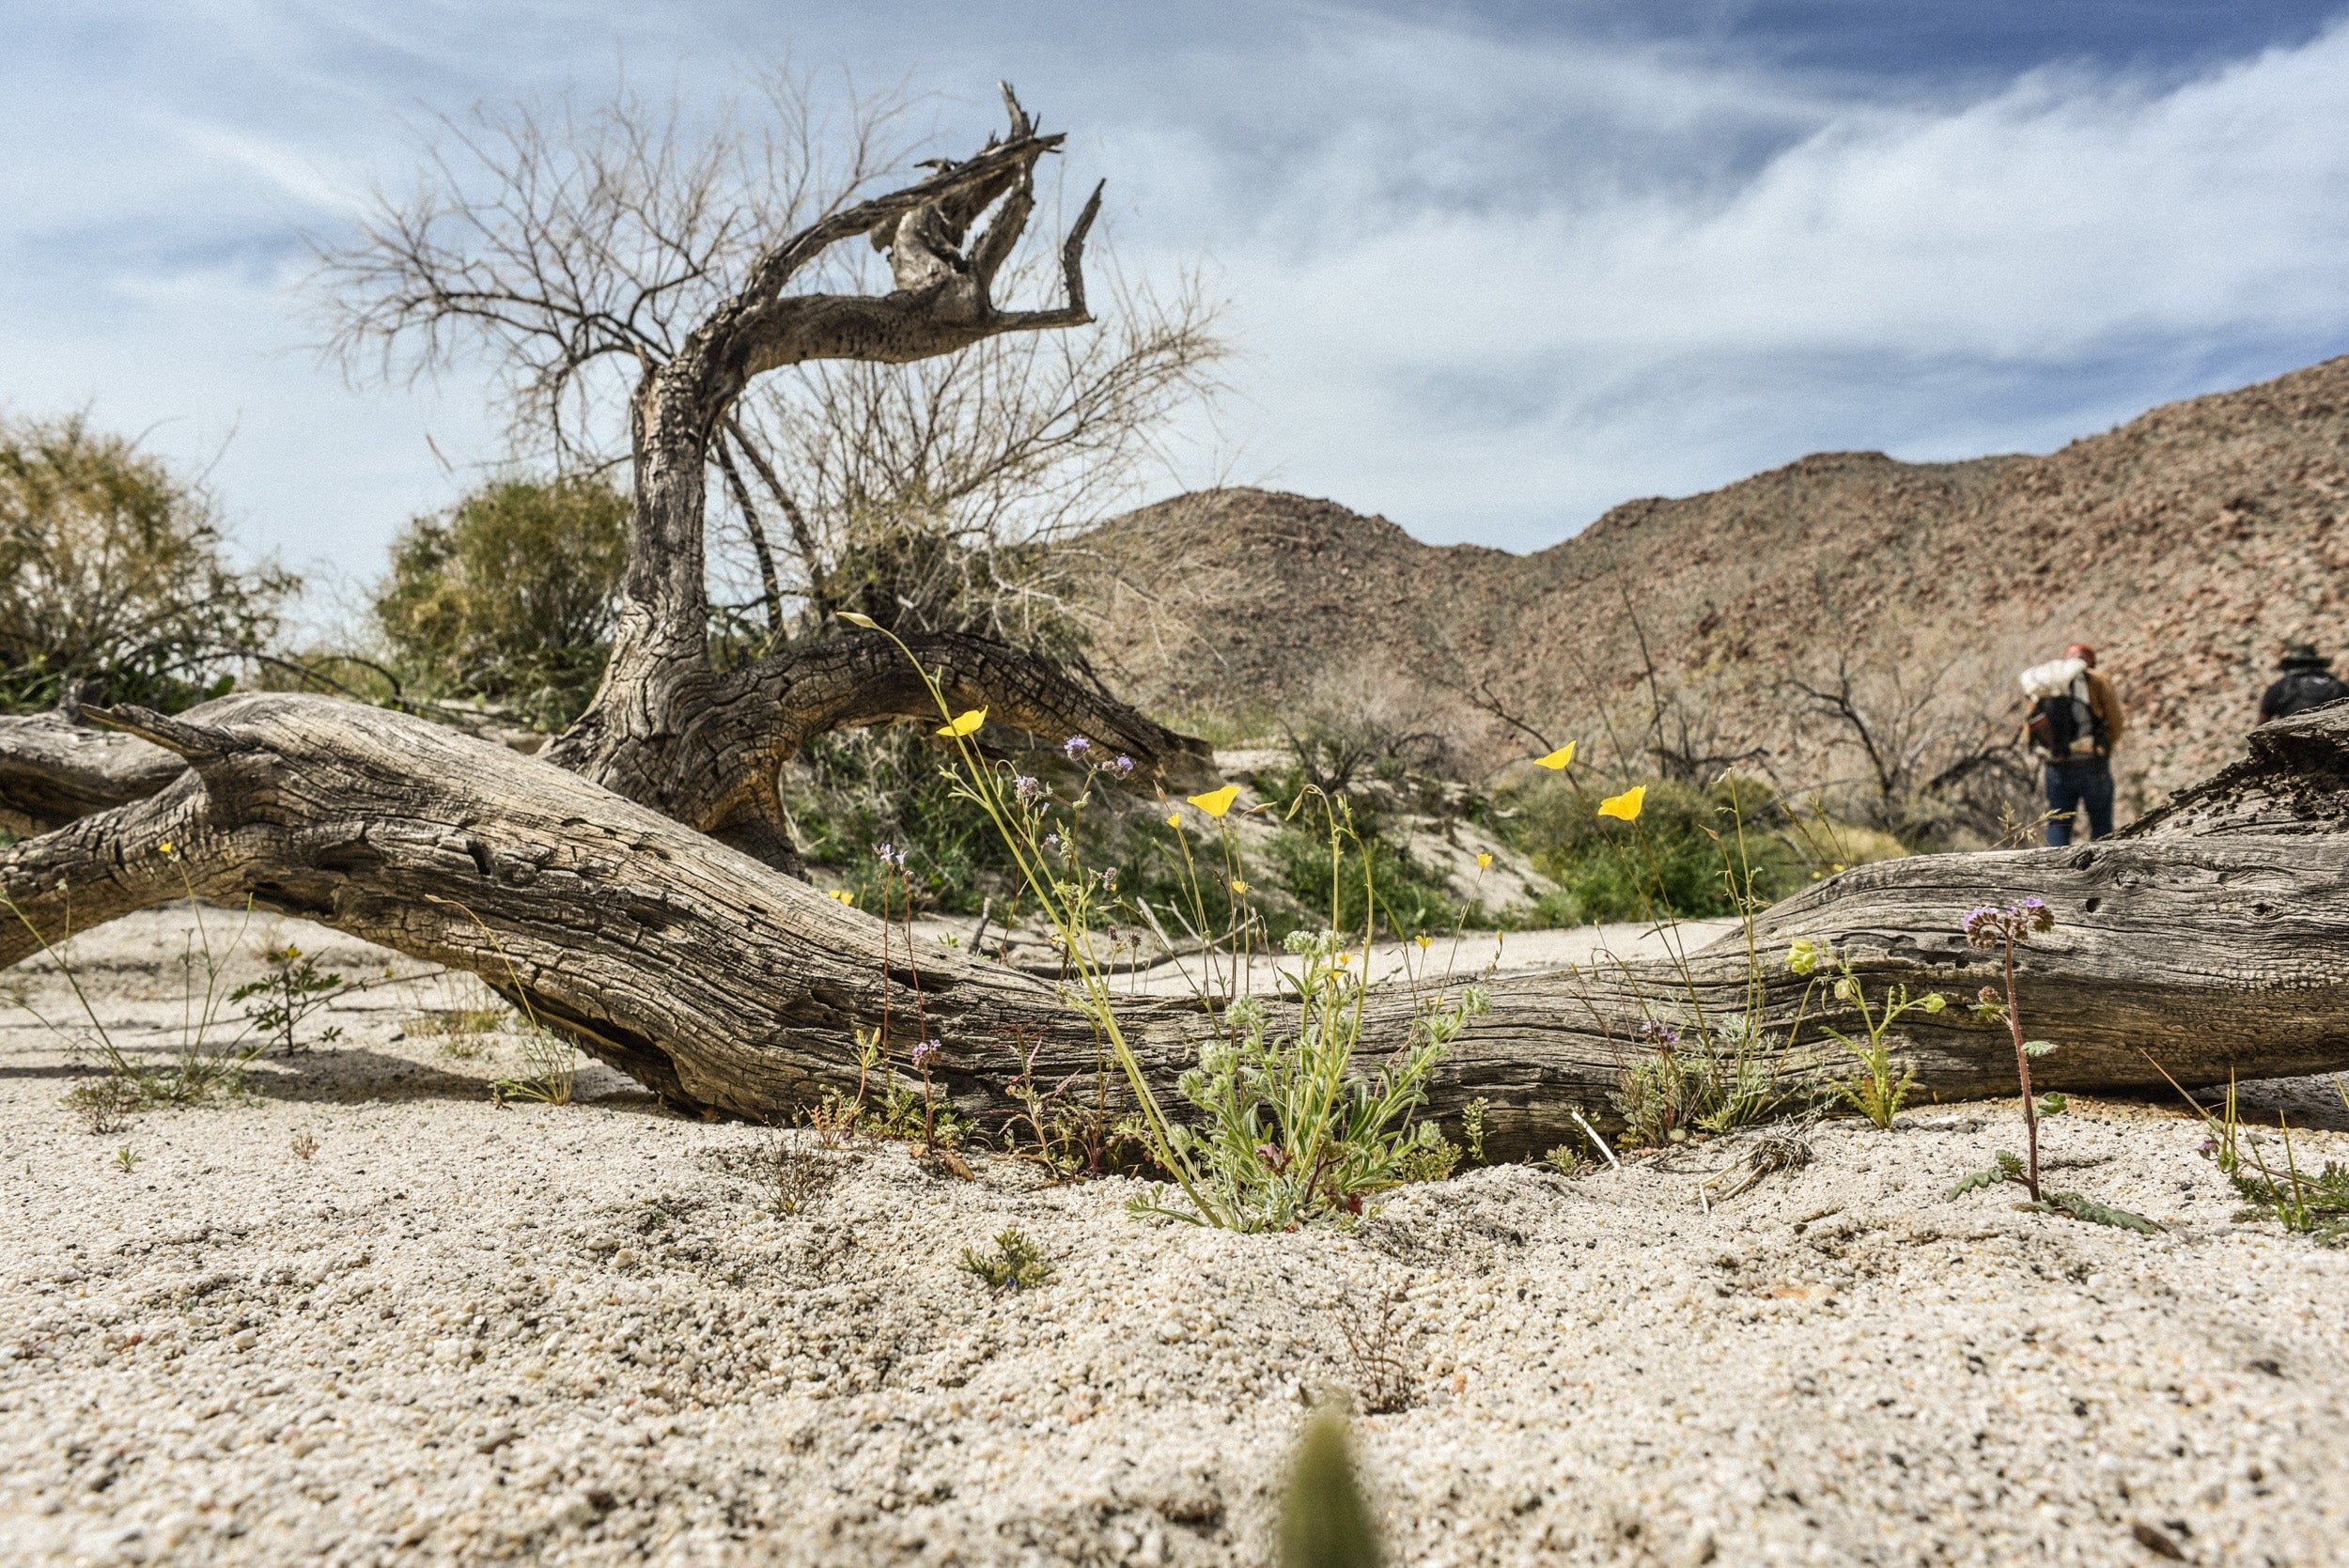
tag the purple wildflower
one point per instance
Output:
(927, 1052)
(1078, 748)
(889, 855)
(1123, 766)
(1988, 928)
(1662, 1036)
(1025, 789)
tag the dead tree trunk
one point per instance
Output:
(2210, 937)
(664, 729)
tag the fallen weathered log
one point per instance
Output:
(54, 769)
(2210, 937)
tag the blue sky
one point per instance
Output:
(1493, 267)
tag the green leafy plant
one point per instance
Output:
(1879, 1088)
(291, 991)
(1472, 1127)
(114, 572)
(2316, 1205)
(508, 597)
(1014, 1264)
(126, 1160)
(1289, 1133)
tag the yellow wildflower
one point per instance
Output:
(968, 724)
(1173, 819)
(865, 621)
(1240, 887)
(1484, 861)
(169, 847)
(1557, 759)
(1217, 802)
(844, 895)
(1344, 958)
(1423, 939)
(1626, 805)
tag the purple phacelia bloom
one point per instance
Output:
(1078, 748)
(1662, 1036)
(1025, 789)
(1988, 928)
(1122, 767)
(927, 1052)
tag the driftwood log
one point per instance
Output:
(2209, 938)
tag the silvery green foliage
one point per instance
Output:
(1287, 1133)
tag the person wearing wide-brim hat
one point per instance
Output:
(2306, 681)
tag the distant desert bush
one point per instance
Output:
(115, 571)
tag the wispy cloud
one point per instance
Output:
(1491, 275)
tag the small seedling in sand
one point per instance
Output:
(1326, 1521)
(1378, 1342)
(1016, 1264)
(2003, 930)
(1472, 1127)
(104, 1103)
(293, 989)
(126, 1160)
(304, 1146)
(798, 1171)
(1879, 1089)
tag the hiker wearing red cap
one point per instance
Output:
(2075, 720)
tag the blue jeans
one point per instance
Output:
(2073, 785)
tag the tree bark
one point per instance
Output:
(665, 730)
(2208, 939)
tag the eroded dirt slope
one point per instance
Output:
(2187, 544)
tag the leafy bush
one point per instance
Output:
(115, 571)
(509, 596)
(1693, 838)
(1412, 898)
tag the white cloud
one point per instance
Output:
(1484, 284)
(1502, 357)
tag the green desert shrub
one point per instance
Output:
(508, 597)
(115, 571)
(1688, 854)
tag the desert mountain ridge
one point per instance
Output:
(2188, 545)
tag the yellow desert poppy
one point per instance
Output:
(1559, 758)
(1240, 887)
(1215, 803)
(1173, 819)
(1626, 805)
(865, 621)
(1484, 861)
(968, 724)
(1423, 939)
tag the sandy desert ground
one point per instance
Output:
(592, 1334)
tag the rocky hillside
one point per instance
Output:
(2188, 545)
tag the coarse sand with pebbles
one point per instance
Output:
(599, 1333)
